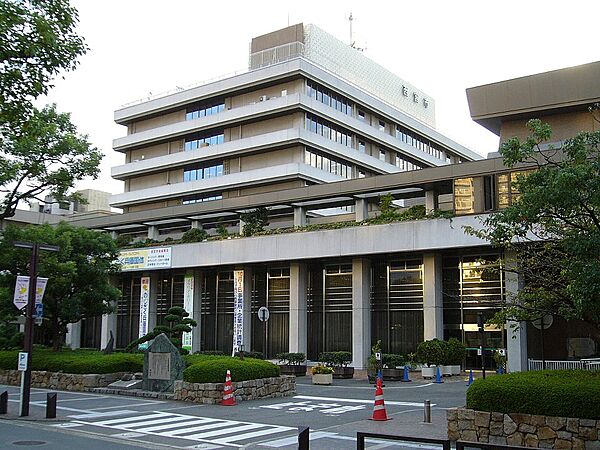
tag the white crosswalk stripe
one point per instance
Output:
(193, 428)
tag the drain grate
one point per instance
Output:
(24, 443)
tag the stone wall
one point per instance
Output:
(60, 381)
(523, 429)
(212, 393)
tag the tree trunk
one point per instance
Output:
(56, 336)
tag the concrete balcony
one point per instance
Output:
(226, 182)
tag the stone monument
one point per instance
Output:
(162, 365)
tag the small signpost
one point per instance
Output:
(23, 358)
(263, 313)
(263, 316)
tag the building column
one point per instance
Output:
(298, 313)
(114, 234)
(109, 323)
(197, 330)
(361, 312)
(241, 232)
(247, 339)
(361, 209)
(196, 224)
(299, 216)
(152, 306)
(153, 232)
(433, 306)
(431, 201)
(516, 332)
(73, 337)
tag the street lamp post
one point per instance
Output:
(480, 326)
(29, 316)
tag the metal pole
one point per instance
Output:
(542, 343)
(480, 325)
(427, 411)
(51, 405)
(28, 339)
(303, 438)
(4, 402)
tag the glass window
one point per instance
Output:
(381, 125)
(464, 196)
(361, 115)
(381, 155)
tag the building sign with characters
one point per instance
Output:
(145, 258)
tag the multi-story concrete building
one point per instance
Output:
(316, 133)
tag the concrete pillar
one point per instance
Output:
(299, 216)
(431, 201)
(247, 308)
(241, 227)
(197, 331)
(109, 323)
(73, 337)
(196, 224)
(516, 332)
(361, 312)
(153, 232)
(433, 308)
(114, 234)
(152, 313)
(361, 209)
(298, 315)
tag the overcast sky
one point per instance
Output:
(442, 47)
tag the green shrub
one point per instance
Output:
(562, 393)
(431, 352)
(209, 353)
(252, 354)
(76, 361)
(454, 352)
(194, 235)
(212, 369)
(336, 359)
(391, 361)
(291, 358)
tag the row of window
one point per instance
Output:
(201, 198)
(197, 141)
(326, 129)
(326, 163)
(197, 112)
(329, 98)
(419, 142)
(202, 172)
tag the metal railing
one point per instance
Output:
(592, 364)
(360, 440)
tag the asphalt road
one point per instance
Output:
(333, 413)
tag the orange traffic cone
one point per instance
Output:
(379, 408)
(228, 398)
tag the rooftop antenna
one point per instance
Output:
(352, 41)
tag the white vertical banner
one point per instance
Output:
(188, 305)
(238, 310)
(22, 291)
(144, 309)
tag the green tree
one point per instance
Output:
(79, 274)
(553, 228)
(255, 221)
(46, 155)
(179, 323)
(38, 41)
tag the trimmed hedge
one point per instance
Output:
(76, 361)
(212, 369)
(560, 393)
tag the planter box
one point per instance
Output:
(455, 370)
(298, 370)
(428, 372)
(393, 374)
(343, 372)
(322, 378)
(446, 371)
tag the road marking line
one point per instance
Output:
(154, 415)
(146, 423)
(172, 425)
(130, 405)
(254, 434)
(67, 425)
(351, 400)
(95, 415)
(220, 432)
(181, 433)
(73, 399)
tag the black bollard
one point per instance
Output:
(51, 405)
(4, 402)
(303, 438)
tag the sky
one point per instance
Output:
(138, 47)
